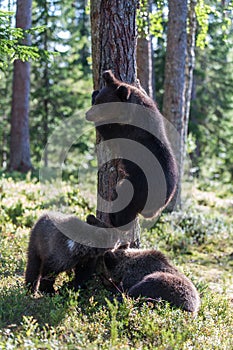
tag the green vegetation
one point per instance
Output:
(11, 47)
(199, 240)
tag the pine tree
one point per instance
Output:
(113, 47)
(19, 140)
(174, 84)
(59, 86)
(211, 113)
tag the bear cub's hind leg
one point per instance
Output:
(33, 271)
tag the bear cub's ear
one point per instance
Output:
(110, 259)
(109, 77)
(93, 96)
(92, 220)
(123, 92)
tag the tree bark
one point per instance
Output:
(190, 64)
(45, 114)
(174, 84)
(19, 141)
(144, 64)
(144, 55)
(113, 28)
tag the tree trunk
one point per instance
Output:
(113, 27)
(174, 84)
(45, 113)
(144, 55)
(144, 64)
(19, 142)
(190, 63)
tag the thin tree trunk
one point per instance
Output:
(174, 84)
(19, 142)
(46, 85)
(46, 115)
(144, 64)
(113, 27)
(190, 63)
(144, 55)
(3, 148)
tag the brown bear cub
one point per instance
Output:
(148, 273)
(50, 252)
(145, 126)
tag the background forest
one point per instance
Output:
(61, 84)
(198, 237)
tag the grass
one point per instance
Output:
(199, 240)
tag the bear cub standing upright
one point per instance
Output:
(155, 141)
(148, 273)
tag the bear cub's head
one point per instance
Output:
(114, 90)
(114, 265)
(118, 91)
(107, 266)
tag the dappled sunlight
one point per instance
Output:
(84, 316)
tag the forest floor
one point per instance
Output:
(198, 239)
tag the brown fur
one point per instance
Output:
(118, 91)
(92, 220)
(49, 254)
(120, 127)
(148, 273)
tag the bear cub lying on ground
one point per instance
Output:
(148, 273)
(50, 252)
